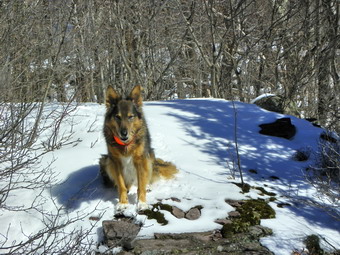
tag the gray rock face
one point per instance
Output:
(120, 233)
(210, 242)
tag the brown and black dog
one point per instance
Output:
(130, 159)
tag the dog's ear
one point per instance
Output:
(112, 97)
(136, 95)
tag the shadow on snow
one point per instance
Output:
(214, 121)
(84, 185)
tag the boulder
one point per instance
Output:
(276, 103)
(272, 103)
(120, 233)
(279, 128)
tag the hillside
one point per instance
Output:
(198, 136)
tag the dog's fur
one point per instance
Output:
(130, 159)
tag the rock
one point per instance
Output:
(233, 203)
(178, 213)
(328, 138)
(222, 221)
(200, 243)
(259, 231)
(120, 233)
(272, 103)
(279, 128)
(234, 214)
(194, 235)
(276, 103)
(193, 214)
(253, 171)
(175, 199)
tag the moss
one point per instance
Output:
(312, 243)
(244, 186)
(272, 199)
(251, 213)
(228, 230)
(160, 206)
(155, 213)
(264, 192)
(260, 206)
(282, 205)
(199, 207)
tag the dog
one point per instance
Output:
(130, 160)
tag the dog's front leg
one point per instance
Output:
(143, 168)
(122, 191)
(115, 171)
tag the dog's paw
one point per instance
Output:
(142, 206)
(121, 207)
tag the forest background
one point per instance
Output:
(66, 50)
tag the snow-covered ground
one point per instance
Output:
(198, 136)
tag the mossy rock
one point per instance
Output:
(272, 103)
(251, 213)
(258, 206)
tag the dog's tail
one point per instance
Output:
(163, 169)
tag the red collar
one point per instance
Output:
(120, 142)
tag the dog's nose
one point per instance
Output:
(124, 134)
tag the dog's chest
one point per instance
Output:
(129, 171)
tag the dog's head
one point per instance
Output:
(123, 115)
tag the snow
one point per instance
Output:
(261, 96)
(198, 136)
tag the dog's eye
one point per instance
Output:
(117, 117)
(131, 117)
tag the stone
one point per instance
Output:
(277, 103)
(234, 214)
(280, 128)
(175, 199)
(328, 138)
(193, 214)
(233, 203)
(178, 213)
(272, 103)
(120, 233)
(222, 221)
(193, 235)
(210, 242)
(259, 231)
